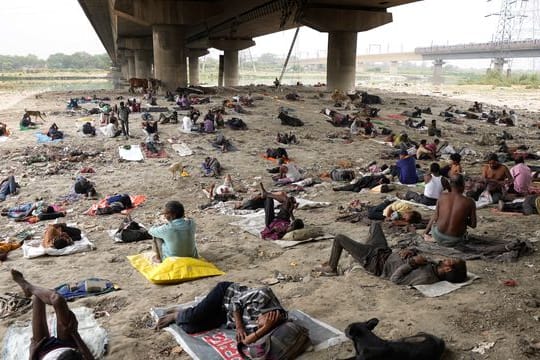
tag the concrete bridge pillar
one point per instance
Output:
(393, 68)
(169, 55)
(498, 65)
(131, 66)
(341, 60)
(193, 64)
(143, 64)
(230, 49)
(116, 75)
(438, 71)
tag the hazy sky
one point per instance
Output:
(45, 27)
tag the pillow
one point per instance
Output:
(173, 270)
(303, 234)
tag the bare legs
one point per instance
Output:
(66, 321)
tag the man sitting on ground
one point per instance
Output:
(177, 237)
(26, 122)
(435, 184)
(8, 186)
(85, 187)
(522, 178)
(405, 168)
(496, 176)
(404, 267)
(423, 153)
(3, 129)
(454, 212)
(454, 168)
(67, 344)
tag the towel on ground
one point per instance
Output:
(33, 248)
(134, 153)
(136, 200)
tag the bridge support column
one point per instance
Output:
(393, 68)
(116, 74)
(143, 64)
(131, 67)
(230, 49)
(438, 72)
(231, 67)
(341, 60)
(498, 65)
(193, 65)
(169, 55)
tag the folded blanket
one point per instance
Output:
(221, 344)
(136, 200)
(17, 338)
(33, 248)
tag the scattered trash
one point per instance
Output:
(510, 282)
(483, 347)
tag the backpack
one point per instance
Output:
(286, 342)
(88, 129)
(342, 174)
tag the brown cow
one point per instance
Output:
(136, 83)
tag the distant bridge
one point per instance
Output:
(514, 49)
(437, 54)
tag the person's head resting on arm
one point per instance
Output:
(453, 270)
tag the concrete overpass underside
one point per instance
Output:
(141, 35)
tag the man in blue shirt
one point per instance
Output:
(177, 237)
(406, 168)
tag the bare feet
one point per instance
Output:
(19, 279)
(166, 320)
(428, 238)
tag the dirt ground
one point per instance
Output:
(486, 311)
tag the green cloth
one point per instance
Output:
(447, 240)
(178, 238)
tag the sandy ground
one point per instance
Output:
(487, 311)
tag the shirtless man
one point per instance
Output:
(494, 170)
(454, 212)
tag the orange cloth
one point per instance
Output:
(136, 200)
(9, 246)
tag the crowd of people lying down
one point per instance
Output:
(422, 158)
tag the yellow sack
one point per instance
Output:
(173, 270)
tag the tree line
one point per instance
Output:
(76, 61)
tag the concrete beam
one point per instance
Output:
(168, 12)
(233, 44)
(331, 19)
(135, 43)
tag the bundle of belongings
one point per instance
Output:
(59, 236)
(131, 231)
